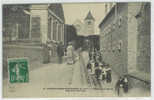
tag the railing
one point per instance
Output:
(137, 78)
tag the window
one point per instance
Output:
(89, 22)
(120, 45)
(54, 30)
(59, 32)
(35, 30)
(113, 25)
(120, 20)
(22, 28)
(49, 29)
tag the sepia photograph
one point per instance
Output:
(95, 49)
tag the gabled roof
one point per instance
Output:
(58, 10)
(89, 16)
(107, 16)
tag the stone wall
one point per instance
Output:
(114, 43)
(120, 41)
(132, 35)
(144, 48)
(126, 44)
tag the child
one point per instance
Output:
(125, 82)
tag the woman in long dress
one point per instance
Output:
(70, 54)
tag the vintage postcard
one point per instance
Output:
(77, 50)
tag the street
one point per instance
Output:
(64, 80)
(48, 76)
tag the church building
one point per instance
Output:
(89, 23)
(87, 26)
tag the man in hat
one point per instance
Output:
(98, 72)
(103, 73)
(119, 86)
(108, 74)
(46, 56)
(125, 83)
(60, 52)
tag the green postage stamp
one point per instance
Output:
(18, 70)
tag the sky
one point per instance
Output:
(75, 11)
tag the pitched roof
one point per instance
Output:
(58, 10)
(89, 16)
(14, 9)
(111, 12)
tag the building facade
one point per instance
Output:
(47, 23)
(35, 23)
(123, 39)
(143, 47)
(27, 30)
(113, 38)
(14, 27)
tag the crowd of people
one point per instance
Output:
(98, 68)
(67, 51)
(102, 72)
(53, 49)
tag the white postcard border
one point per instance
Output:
(68, 1)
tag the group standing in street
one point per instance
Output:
(96, 67)
(102, 71)
(60, 51)
(53, 49)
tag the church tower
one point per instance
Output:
(89, 23)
